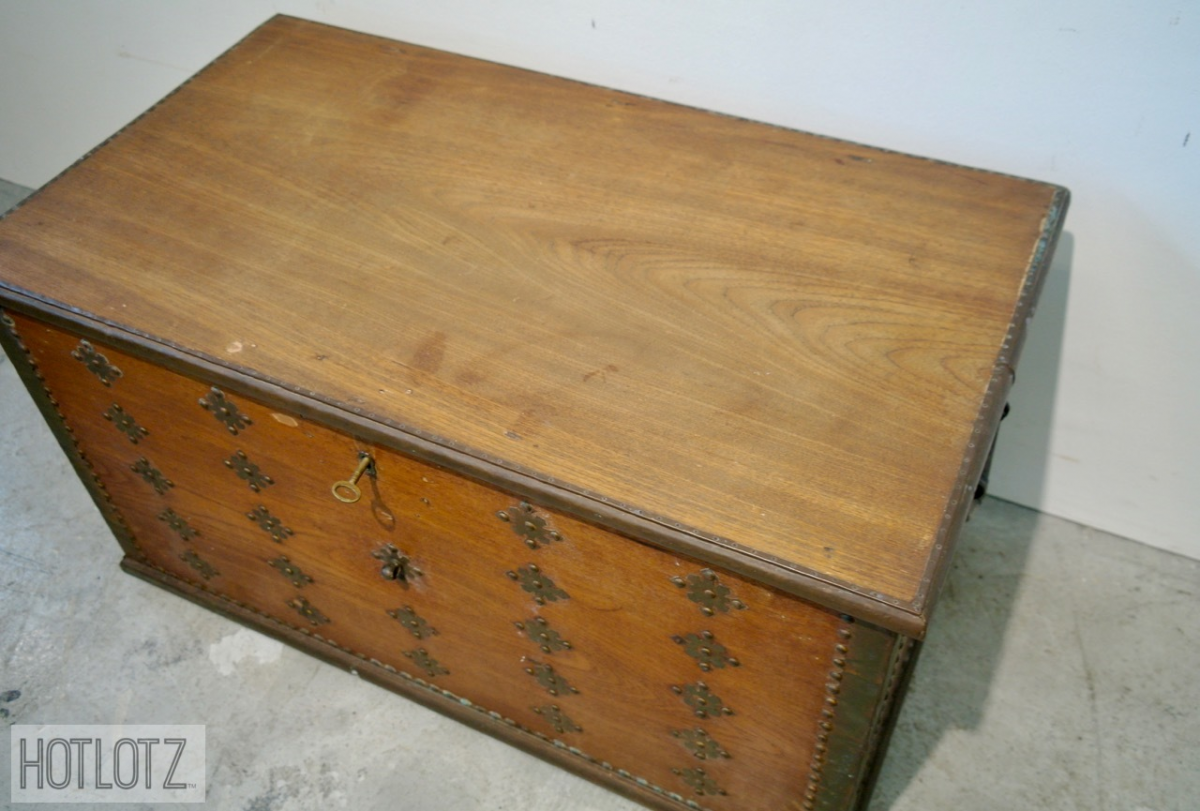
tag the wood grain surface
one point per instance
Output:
(619, 608)
(778, 342)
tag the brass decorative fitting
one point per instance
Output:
(529, 525)
(708, 592)
(225, 411)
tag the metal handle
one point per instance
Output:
(351, 485)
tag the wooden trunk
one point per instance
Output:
(634, 435)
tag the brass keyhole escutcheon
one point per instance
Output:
(397, 566)
(347, 491)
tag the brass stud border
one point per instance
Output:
(829, 707)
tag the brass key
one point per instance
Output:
(351, 485)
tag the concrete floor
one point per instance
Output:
(1062, 672)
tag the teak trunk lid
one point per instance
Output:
(780, 352)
